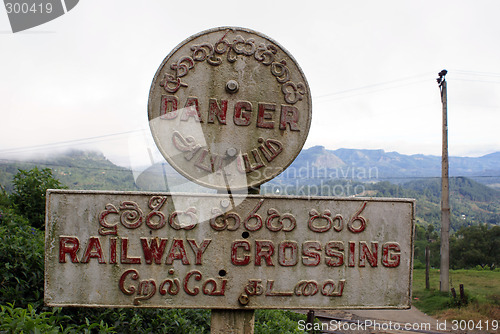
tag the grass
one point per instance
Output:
(482, 288)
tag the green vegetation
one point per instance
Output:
(21, 283)
(470, 247)
(75, 170)
(482, 294)
(28, 197)
(474, 244)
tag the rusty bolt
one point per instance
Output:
(243, 299)
(232, 86)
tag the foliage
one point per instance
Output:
(76, 170)
(28, 197)
(21, 261)
(174, 321)
(475, 246)
(20, 320)
(277, 321)
(4, 198)
(426, 236)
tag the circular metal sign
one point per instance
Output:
(229, 108)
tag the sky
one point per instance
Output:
(82, 80)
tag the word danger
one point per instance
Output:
(244, 113)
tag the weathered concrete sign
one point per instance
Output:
(229, 108)
(126, 249)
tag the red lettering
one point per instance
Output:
(215, 110)
(365, 253)
(263, 115)
(290, 116)
(290, 259)
(391, 256)
(191, 109)
(198, 250)
(197, 276)
(124, 254)
(168, 107)
(242, 113)
(153, 250)
(177, 252)
(121, 283)
(213, 291)
(93, 250)
(311, 251)
(68, 245)
(235, 259)
(351, 256)
(112, 251)
(334, 249)
(264, 249)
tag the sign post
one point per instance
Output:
(230, 109)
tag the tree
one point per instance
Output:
(475, 246)
(28, 197)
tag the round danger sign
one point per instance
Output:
(229, 108)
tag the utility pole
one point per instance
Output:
(445, 191)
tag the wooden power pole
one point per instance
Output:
(445, 191)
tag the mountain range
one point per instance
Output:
(373, 173)
(378, 165)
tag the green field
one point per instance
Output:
(482, 288)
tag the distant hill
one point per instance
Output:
(376, 165)
(471, 202)
(75, 169)
(316, 171)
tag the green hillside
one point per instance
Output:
(472, 203)
(76, 170)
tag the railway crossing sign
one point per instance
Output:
(125, 249)
(229, 108)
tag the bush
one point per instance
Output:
(21, 261)
(417, 264)
(277, 321)
(130, 320)
(20, 320)
(28, 197)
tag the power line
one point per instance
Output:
(376, 85)
(129, 170)
(67, 142)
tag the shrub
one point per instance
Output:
(277, 321)
(27, 320)
(21, 261)
(28, 197)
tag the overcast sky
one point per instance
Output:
(83, 79)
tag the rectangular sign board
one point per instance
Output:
(162, 250)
